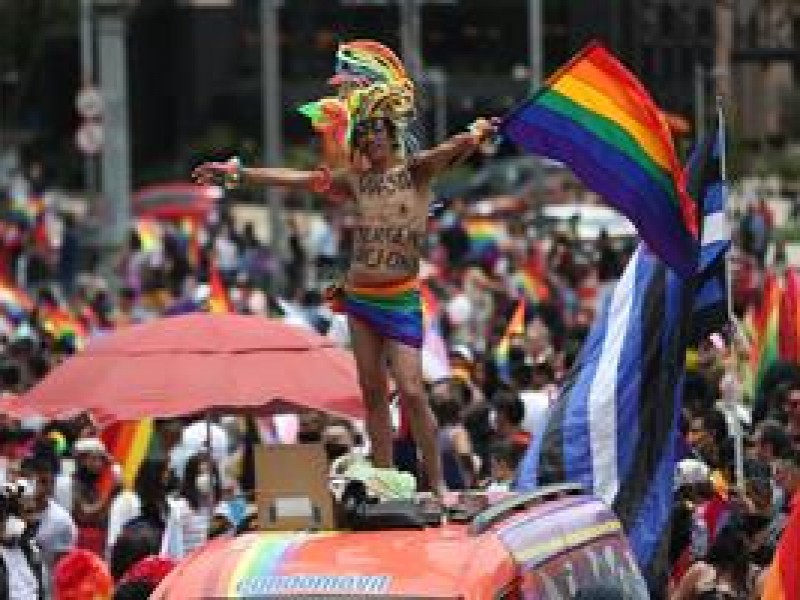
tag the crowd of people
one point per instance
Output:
(93, 532)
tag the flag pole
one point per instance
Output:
(738, 432)
(738, 330)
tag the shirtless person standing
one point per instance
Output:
(380, 293)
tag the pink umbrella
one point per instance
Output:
(199, 362)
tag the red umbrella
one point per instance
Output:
(197, 362)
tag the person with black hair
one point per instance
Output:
(509, 412)
(145, 505)
(23, 574)
(724, 573)
(48, 521)
(130, 547)
(458, 460)
(504, 458)
(190, 515)
(770, 441)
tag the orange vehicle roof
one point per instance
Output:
(437, 562)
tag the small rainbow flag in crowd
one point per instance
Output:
(129, 443)
(149, 233)
(484, 234)
(435, 361)
(14, 301)
(64, 326)
(191, 230)
(789, 321)
(765, 319)
(598, 119)
(531, 281)
(502, 353)
(218, 300)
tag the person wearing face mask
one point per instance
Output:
(22, 572)
(49, 522)
(310, 426)
(82, 496)
(189, 520)
(339, 438)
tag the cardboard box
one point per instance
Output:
(292, 490)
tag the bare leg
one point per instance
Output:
(369, 350)
(406, 365)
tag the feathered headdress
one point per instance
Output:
(372, 83)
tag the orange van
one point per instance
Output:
(549, 543)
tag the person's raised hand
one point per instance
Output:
(211, 172)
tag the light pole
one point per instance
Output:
(437, 79)
(411, 37)
(699, 103)
(115, 214)
(535, 43)
(87, 79)
(271, 107)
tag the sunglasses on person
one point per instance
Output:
(370, 127)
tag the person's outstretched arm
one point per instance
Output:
(232, 172)
(431, 163)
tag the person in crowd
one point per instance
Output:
(50, 523)
(311, 424)
(509, 413)
(724, 573)
(504, 458)
(190, 514)
(23, 574)
(458, 459)
(144, 506)
(770, 441)
(792, 408)
(131, 546)
(82, 574)
(139, 582)
(82, 495)
(339, 437)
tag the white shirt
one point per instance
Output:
(536, 405)
(227, 259)
(186, 530)
(124, 508)
(56, 533)
(22, 583)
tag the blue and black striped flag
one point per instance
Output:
(707, 186)
(614, 428)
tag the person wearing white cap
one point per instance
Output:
(81, 495)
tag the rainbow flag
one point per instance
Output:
(218, 300)
(597, 118)
(789, 320)
(531, 281)
(764, 349)
(783, 578)
(516, 327)
(149, 233)
(129, 442)
(191, 230)
(485, 235)
(435, 361)
(14, 301)
(64, 326)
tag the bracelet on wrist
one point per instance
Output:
(478, 133)
(234, 178)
